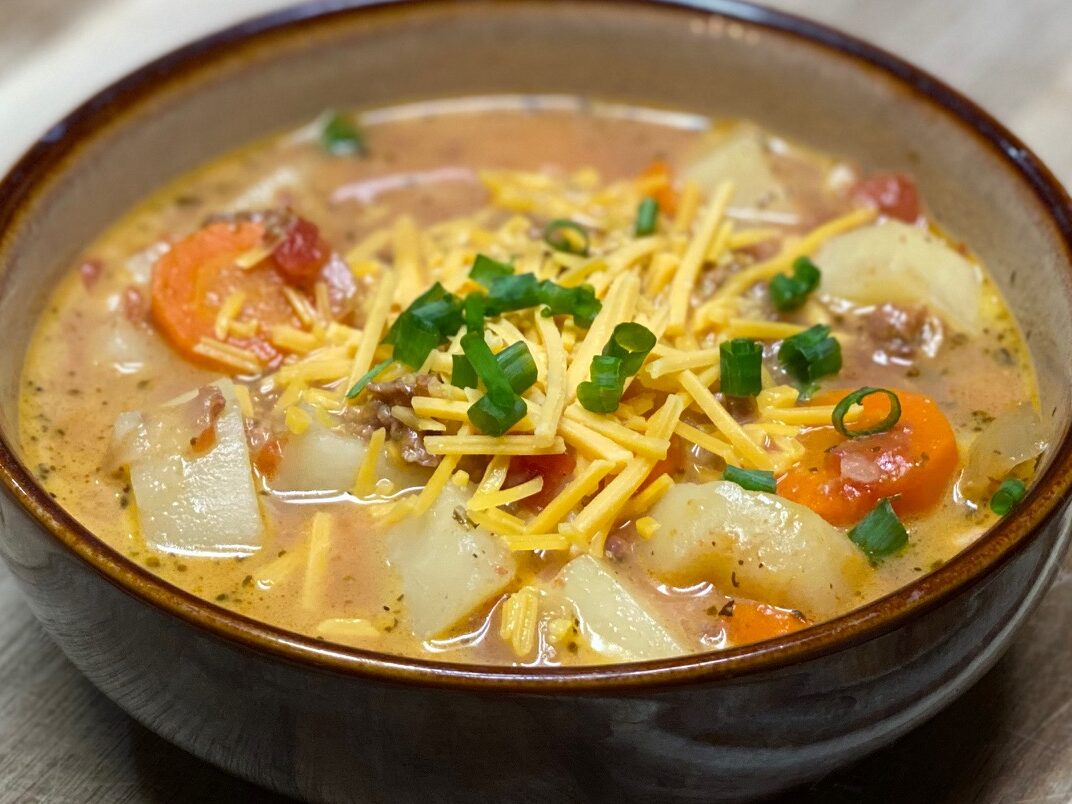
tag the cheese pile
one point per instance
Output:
(662, 281)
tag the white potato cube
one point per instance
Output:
(326, 461)
(754, 544)
(448, 566)
(612, 617)
(901, 264)
(203, 504)
(741, 158)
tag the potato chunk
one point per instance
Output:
(448, 567)
(324, 460)
(741, 158)
(901, 264)
(203, 503)
(755, 544)
(613, 619)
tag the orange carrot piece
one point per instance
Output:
(665, 194)
(196, 276)
(754, 622)
(913, 462)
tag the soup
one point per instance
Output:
(532, 381)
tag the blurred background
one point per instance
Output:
(1009, 739)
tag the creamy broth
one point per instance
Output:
(325, 564)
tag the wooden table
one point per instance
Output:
(1009, 739)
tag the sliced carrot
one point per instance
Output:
(842, 479)
(753, 622)
(664, 192)
(192, 281)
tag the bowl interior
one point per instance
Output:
(216, 96)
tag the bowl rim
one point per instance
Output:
(1008, 538)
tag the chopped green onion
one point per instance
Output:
(741, 367)
(462, 374)
(790, 292)
(430, 296)
(751, 479)
(444, 314)
(415, 340)
(603, 393)
(606, 370)
(622, 357)
(485, 270)
(514, 369)
(880, 532)
(430, 319)
(811, 354)
(518, 365)
(599, 398)
(647, 217)
(856, 398)
(632, 343)
(368, 377)
(515, 292)
(473, 312)
(580, 302)
(485, 365)
(340, 137)
(494, 414)
(1009, 495)
(566, 235)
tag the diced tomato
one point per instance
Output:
(301, 253)
(842, 479)
(90, 271)
(893, 194)
(135, 305)
(554, 469)
(673, 463)
(267, 457)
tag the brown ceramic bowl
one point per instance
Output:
(334, 724)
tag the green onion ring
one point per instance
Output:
(855, 398)
(554, 234)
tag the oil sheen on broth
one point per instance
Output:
(669, 479)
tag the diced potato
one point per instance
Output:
(901, 264)
(448, 567)
(205, 504)
(613, 619)
(755, 544)
(326, 461)
(319, 460)
(740, 157)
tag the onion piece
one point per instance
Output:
(1013, 437)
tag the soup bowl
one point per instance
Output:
(329, 723)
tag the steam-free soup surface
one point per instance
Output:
(522, 382)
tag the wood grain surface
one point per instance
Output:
(1008, 739)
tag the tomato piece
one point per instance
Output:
(749, 622)
(555, 470)
(893, 194)
(842, 479)
(90, 271)
(301, 253)
(673, 463)
(191, 281)
(665, 194)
